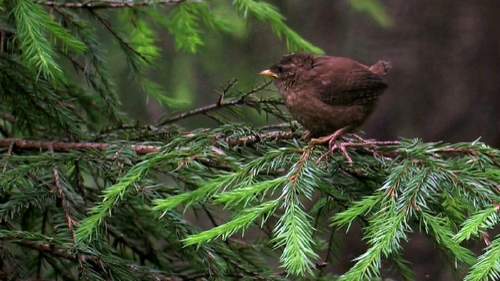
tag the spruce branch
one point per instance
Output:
(440, 229)
(38, 52)
(126, 46)
(481, 221)
(114, 194)
(244, 99)
(294, 231)
(268, 13)
(487, 267)
(385, 233)
(240, 222)
(93, 5)
(140, 149)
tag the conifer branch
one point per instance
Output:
(125, 45)
(221, 103)
(140, 149)
(56, 146)
(108, 4)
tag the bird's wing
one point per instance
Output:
(342, 81)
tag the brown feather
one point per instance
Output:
(326, 93)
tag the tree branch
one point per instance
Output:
(69, 146)
(120, 40)
(93, 5)
(141, 149)
(243, 100)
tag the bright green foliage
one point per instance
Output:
(478, 223)
(359, 208)
(375, 9)
(199, 195)
(385, 233)
(241, 222)
(37, 50)
(243, 196)
(294, 231)
(266, 12)
(33, 26)
(184, 25)
(115, 193)
(488, 266)
(441, 230)
(143, 38)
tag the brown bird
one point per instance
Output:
(329, 96)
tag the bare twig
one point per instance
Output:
(64, 203)
(243, 100)
(69, 146)
(141, 149)
(264, 137)
(93, 5)
(120, 40)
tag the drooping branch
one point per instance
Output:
(93, 5)
(115, 34)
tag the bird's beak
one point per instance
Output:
(268, 73)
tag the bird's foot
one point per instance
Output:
(330, 139)
(369, 145)
(307, 136)
(355, 142)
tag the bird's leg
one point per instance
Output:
(369, 145)
(307, 135)
(358, 142)
(332, 143)
(330, 139)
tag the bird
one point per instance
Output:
(329, 96)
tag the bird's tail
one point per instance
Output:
(381, 67)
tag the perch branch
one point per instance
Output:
(141, 149)
(69, 146)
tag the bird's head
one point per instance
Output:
(289, 67)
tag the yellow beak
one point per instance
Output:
(268, 73)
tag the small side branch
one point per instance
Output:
(115, 34)
(243, 100)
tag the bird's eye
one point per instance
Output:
(280, 69)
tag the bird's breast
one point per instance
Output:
(321, 118)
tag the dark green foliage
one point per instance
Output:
(164, 203)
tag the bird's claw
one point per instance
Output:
(369, 145)
(342, 147)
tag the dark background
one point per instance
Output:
(444, 85)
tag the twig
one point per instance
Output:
(93, 5)
(264, 137)
(141, 149)
(222, 104)
(46, 248)
(120, 40)
(69, 146)
(69, 220)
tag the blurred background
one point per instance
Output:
(444, 84)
